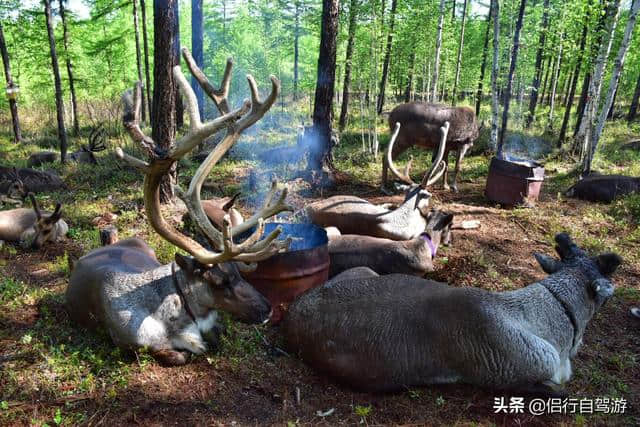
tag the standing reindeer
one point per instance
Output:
(32, 228)
(353, 215)
(169, 309)
(419, 124)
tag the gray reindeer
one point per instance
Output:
(390, 332)
(171, 309)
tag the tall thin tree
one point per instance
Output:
(164, 88)
(574, 83)
(495, 17)
(436, 65)
(460, 46)
(512, 71)
(136, 30)
(147, 68)
(387, 57)
(13, 102)
(533, 98)
(176, 61)
(62, 133)
(65, 39)
(197, 35)
(353, 15)
(633, 109)
(483, 67)
(320, 149)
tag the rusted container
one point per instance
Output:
(286, 275)
(514, 182)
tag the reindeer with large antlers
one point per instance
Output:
(170, 310)
(353, 215)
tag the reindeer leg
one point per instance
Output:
(461, 152)
(445, 183)
(398, 149)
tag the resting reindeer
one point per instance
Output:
(12, 190)
(353, 215)
(604, 188)
(397, 331)
(419, 124)
(33, 181)
(84, 155)
(32, 228)
(386, 256)
(170, 310)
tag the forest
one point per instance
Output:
(377, 212)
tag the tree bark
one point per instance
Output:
(436, 65)
(197, 35)
(547, 69)
(633, 109)
(613, 105)
(554, 86)
(387, 57)
(136, 29)
(143, 9)
(13, 103)
(320, 149)
(62, 133)
(176, 61)
(512, 70)
(582, 102)
(533, 98)
(554, 77)
(483, 67)
(164, 88)
(65, 39)
(495, 16)
(460, 46)
(353, 13)
(296, 49)
(412, 64)
(613, 83)
(574, 84)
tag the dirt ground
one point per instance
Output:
(250, 383)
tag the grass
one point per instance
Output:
(73, 372)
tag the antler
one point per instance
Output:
(436, 169)
(96, 139)
(235, 122)
(35, 205)
(438, 166)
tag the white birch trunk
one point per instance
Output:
(436, 66)
(495, 15)
(460, 46)
(554, 86)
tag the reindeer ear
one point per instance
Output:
(549, 264)
(608, 263)
(602, 290)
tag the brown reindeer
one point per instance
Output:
(419, 125)
(171, 309)
(32, 228)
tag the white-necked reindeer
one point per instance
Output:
(169, 309)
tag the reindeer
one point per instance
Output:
(383, 333)
(419, 124)
(32, 228)
(217, 209)
(12, 190)
(33, 181)
(84, 155)
(171, 309)
(386, 256)
(353, 215)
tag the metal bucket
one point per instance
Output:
(286, 275)
(514, 182)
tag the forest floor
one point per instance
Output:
(52, 372)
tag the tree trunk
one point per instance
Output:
(296, 46)
(460, 45)
(546, 78)
(143, 9)
(512, 70)
(613, 105)
(485, 50)
(436, 65)
(412, 64)
(495, 16)
(613, 84)
(633, 109)
(197, 36)
(574, 84)
(582, 102)
(554, 77)
(567, 87)
(387, 57)
(593, 95)
(65, 39)
(320, 150)
(62, 133)
(554, 86)
(533, 98)
(13, 103)
(353, 13)
(164, 88)
(176, 61)
(136, 29)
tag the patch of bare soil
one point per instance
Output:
(268, 388)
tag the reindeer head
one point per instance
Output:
(47, 227)
(438, 166)
(596, 270)
(16, 188)
(218, 265)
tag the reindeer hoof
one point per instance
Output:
(454, 188)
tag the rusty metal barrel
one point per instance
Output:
(286, 275)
